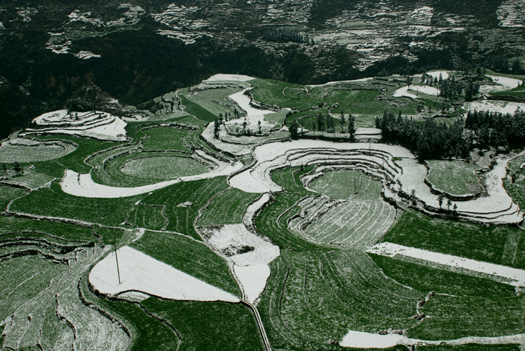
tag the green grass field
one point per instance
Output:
(454, 177)
(165, 138)
(343, 184)
(158, 168)
(209, 325)
(496, 244)
(181, 218)
(25, 154)
(55, 203)
(316, 296)
(227, 208)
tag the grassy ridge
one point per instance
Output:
(146, 216)
(147, 333)
(425, 278)
(196, 110)
(74, 160)
(209, 325)
(55, 203)
(496, 244)
(25, 226)
(189, 256)
(273, 220)
(313, 297)
(7, 194)
(181, 218)
(227, 208)
(23, 278)
(164, 138)
(457, 178)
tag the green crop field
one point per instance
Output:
(181, 203)
(209, 325)
(55, 203)
(164, 138)
(42, 152)
(497, 244)
(343, 184)
(454, 177)
(227, 208)
(162, 167)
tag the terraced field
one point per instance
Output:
(256, 242)
(455, 178)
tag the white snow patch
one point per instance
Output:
(253, 280)
(229, 77)
(512, 276)
(368, 340)
(368, 131)
(250, 212)
(82, 185)
(437, 74)
(404, 92)
(251, 267)
(133, 296)
(503, 107)
(94, 124)
(253, 115)
(509, 83)
(85, 55)
(235, 236)
(140, 272)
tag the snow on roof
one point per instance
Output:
(140, 272)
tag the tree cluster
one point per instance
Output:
(429, 140)
(496, 129)
(451, 89)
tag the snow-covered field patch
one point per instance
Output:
(253, 116)
(86, 55)
(82, 185)
(368, 340)
(404, 92)
(93, 124)
(502, 107)
(228, 78)
(140, 272)
(512, 276)
(253, 280)
(249, 253)
(507, 82)
(437, 74)
(242, 246)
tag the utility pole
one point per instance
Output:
(116, 259)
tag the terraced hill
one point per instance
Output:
(207, 225)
